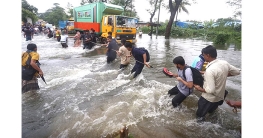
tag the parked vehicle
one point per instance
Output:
(103, 18)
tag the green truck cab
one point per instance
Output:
(104, 18)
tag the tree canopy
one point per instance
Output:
(28, 11)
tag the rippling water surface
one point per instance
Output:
(85, 97)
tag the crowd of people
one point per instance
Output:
(215, 71)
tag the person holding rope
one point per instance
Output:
(29, 79)
(125, 61)
(215, 76)
(140, 57)
(112, 48)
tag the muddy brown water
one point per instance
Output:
(87, 98)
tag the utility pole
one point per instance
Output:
(158, 18)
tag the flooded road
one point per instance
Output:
(87, 98)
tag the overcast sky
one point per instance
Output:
(203, 10)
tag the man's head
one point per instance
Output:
(209, 53)
(128, 45)
(109, 38)
(123, 41)
(109, 33)
(32, 47)
(179, 62)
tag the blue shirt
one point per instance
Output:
(198, 62)
(137, 54)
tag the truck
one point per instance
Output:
(103, 18)
(69, 24)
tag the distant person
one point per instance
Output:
(58, 34)
(29, 80)
(87, 40)
(215, 76)
(50, 33)
(185, 85)
(64, 39)
(140, 57)
(77, 42)
(28, 33)
(40, 29)
(123, 53)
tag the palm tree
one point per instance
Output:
(182, 8)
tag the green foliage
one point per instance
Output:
(128, 6)
(221, 38)
(218, 35)
(27, 6)
(54, 15)
(26, 13)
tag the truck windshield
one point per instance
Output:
(122, 21)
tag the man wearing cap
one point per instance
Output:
(29, 83)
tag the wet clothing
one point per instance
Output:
(181, 90)
(32, 84)
(64, 41)
(111, 54)
(58, 35)
(28, 34)
(123, 66)
(179, 98)
(50, 33)
(198, 62)
(34, 55)
(138, 55)
(87, 44)
(93, 37)
(123, 53)
(215, 78)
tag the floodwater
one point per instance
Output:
(87, 98)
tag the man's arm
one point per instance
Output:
(144, 60)
(34, 65)
(233, 71)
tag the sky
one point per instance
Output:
(203, 10)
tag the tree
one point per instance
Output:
(29, 7)
(28, 14)
(55, 14)
(128, 7)
(87, 1)
(28, 11)
(70, 10)
(173, 9)
(182, 8)
(237, 4)
(155, 6)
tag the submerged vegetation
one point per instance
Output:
(221, 32)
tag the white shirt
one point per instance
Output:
(215, 78)
(123, 53)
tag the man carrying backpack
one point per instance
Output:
(29, 79)
(185, 84)
(140, 57)
(215, 76)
